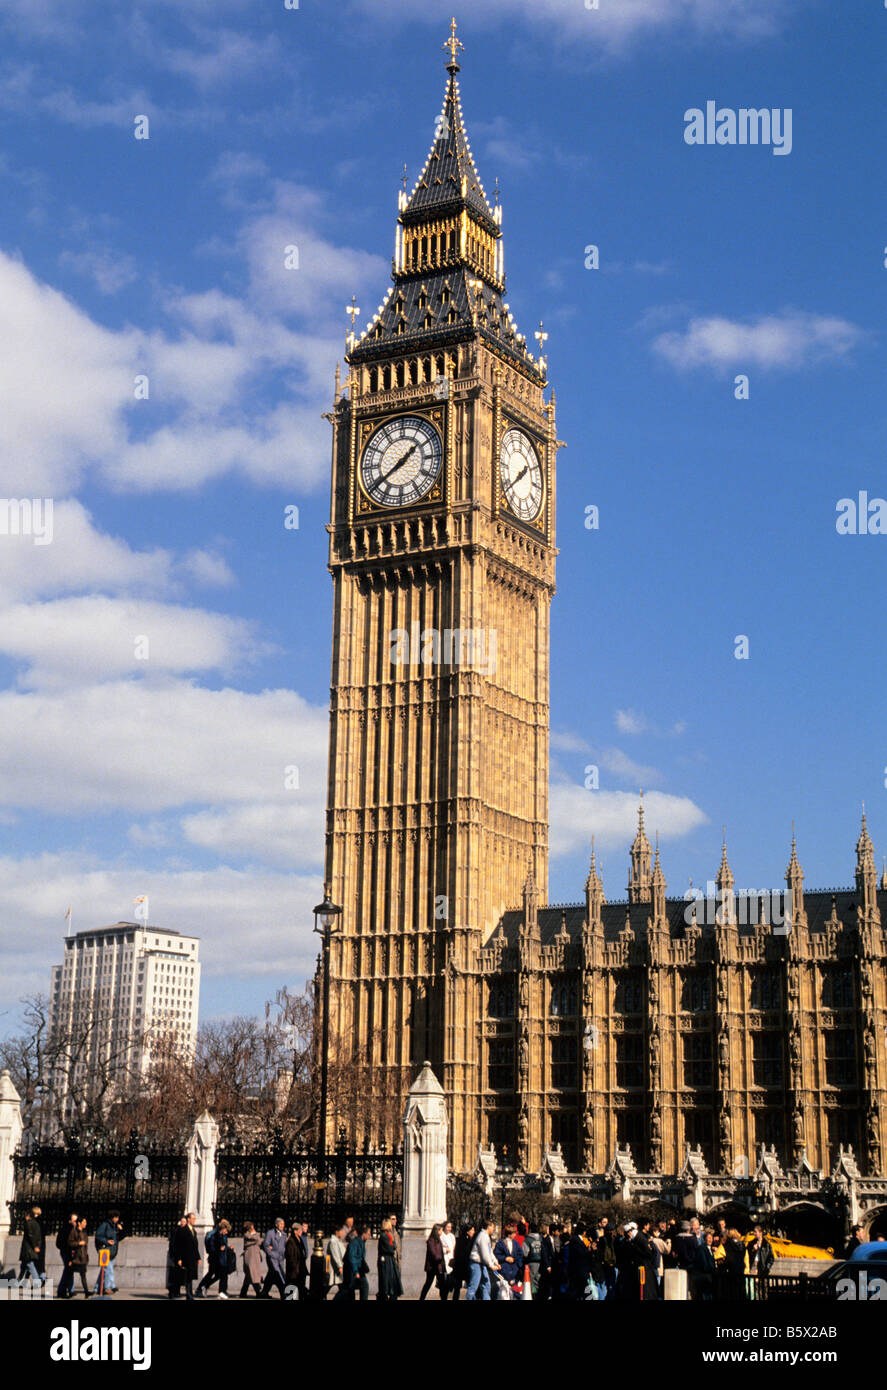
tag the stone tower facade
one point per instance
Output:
(442, 559)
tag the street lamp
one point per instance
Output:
(325, 915)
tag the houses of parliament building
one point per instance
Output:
(637, 1027)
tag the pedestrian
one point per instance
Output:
(547, 1262)
(336, 1251)
(736, 1262)
(482, 1263)
(172, 1271)
(435, 1268)
(857, 1238)
(32, 1254)
(395, 1235)
(448, 1243)
(252, 1261)
(702, 1273)
(598, 1268)
(461, 1253)
(390, 1285)
(78, 1244)
(662, 1251)
(274, 1246)
(760, 1255)
(108, 1237)
(533, 1256)
(219, 1257)
(294, 1257)
(579, 1264)
(509, 1257)
(186, 1257)
(66, 1283)
(356, 1267)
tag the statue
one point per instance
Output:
(723, 1050)
(798, 1128)
(523, 1061)
(523, 1136)
(524, 997)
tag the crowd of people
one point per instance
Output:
(576, 1261)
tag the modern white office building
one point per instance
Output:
(119, 993)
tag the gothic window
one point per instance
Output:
(767, 1059)
(840, 1057)
(630, 1132)
(765, 988)
(440, 363)
(564, 1059)
(696, 992)
(629, 995)
(501, 999)
(500, 1069)
(629, 1060)
(426, 361)
(500, 1132)
(386, 378)
(414, 252)
(770, 1130)
(837, 987)
(699, 1132)
(400, 365)
(698, 1057)
(843, 1128)
(563, 998)
(565, 1131)
(423, 300)
(453, 242)
(374, 378)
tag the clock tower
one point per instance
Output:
(442, 555)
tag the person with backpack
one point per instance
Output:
(533, 1256)
(221, 1260)
(32, 1255)
(108, 1237)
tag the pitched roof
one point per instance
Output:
(450, 175)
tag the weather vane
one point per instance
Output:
(542, 338)
(454, 45)
(352, 310)
(403, 178)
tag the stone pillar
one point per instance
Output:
(10, 1135)
(201, 1187)
(424, 1155)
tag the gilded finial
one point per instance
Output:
(496, 191)
(455, 46)
(403, 179)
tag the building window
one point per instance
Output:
(565, 1131)
(767, 1059)
(630, 1132)
(629, 997)
(563, 998)
(843, 1128)
(500, 1133)
(837, 987)
(765, 988)
(629, 1060)
(695, 991)
(501, 999)
(500, 1068)
(564, 1058)
(698, 1060)
(770, 1130)
(840, 1057)
(698, 1133)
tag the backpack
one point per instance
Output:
(209, 1242)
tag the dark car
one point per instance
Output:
(863, 1277)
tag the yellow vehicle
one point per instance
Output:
(788, 1250)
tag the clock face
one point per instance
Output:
(521, 475)
(401, 461)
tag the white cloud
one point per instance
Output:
(631, 721)
(72, 641)
(577, 814)
(225, 907)
(224, 56)
(614, 22)
(288, 836)
(110, 270)
(150, 748)
(624, 767)
(787, 340)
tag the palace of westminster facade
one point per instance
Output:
(600, 1026)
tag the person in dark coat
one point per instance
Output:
(857, 1238)
(464, 1242)
(78, 1244)
(734, 1259)
(66, 1283)
(434, 1265)
(578, 1264)
(760, 1255)
(218, 1262)
(390, 1286)
(186, 1257)
(32, 1254)
(274, 1246)
(510, 1256)
(295, 1262)
(108, 1237)
(357, 1285)
(252, 1261)
(702, 1273)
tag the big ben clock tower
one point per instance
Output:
(442, 555)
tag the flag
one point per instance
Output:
(142, 903)
(68, 919)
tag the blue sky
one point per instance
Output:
(164, 257)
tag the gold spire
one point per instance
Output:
(884, 878)
(455, 46)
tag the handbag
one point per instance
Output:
(230, 1260)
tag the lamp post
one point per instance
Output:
(325, 915)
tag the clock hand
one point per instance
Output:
(525, 469)
(400, 462)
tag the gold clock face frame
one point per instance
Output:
(521, 474)
(401, 462)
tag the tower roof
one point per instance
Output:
(450, 178)
(640, 841)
